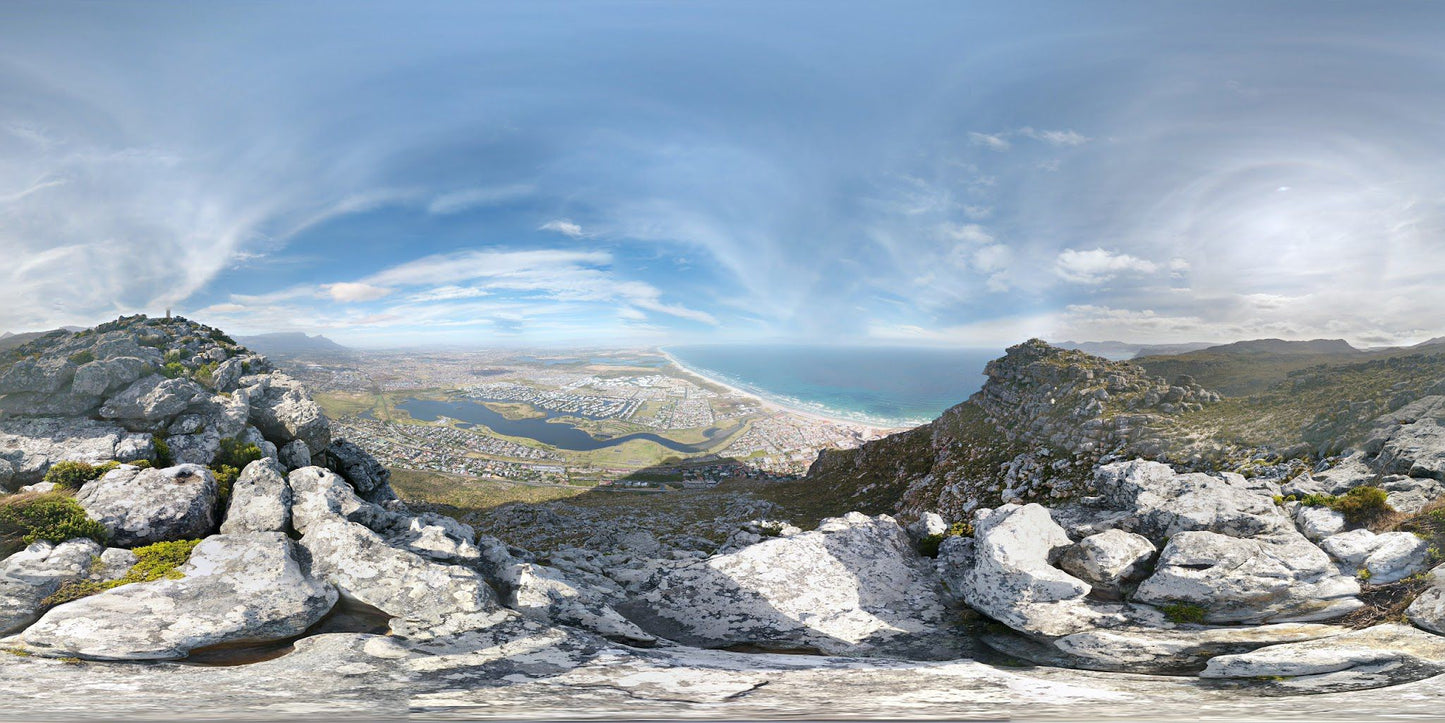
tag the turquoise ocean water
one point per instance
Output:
(885, 386)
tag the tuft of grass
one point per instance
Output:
(1184, 613)
(82, 357)
(163, 451)
(153, 562)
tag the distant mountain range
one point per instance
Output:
(1120, 350)
(292, 343)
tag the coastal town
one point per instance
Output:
(651, 424)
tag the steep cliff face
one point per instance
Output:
(1035, 431)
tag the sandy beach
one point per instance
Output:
(775, 405)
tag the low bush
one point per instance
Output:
(52, 516)
(1184, 613)
(232, 458)
(1363, 506)
(928, 546)
(153, 562)
(73, 475)
(173, 370)
(82, 357)
(163, 451)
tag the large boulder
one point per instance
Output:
(260, 500)
(31, 445)
(141, 506)
(320, 494)
(281, 409)
(1109, 560)
(853, 586)
(1383, 558)
(1369, 658)
(1427, 611)
(1275, 578)
(424, 598)
(43, 376)
(235, 588)
(106, 376)
(371, 480)
(1162, 504)
(29, 576)
(1010, 579)
(1411, 439)
(151, 402)
(548, 595)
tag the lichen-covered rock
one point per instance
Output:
(547, 595)
(29, 576)
(1411, 440)
(1163, 503)
(1108, 560)
(1427, 611)
(141, 506)
(424, 598)
(260, 500)
(281, 409)
(31, 445)
(47, 375)
(1179, 650)
(105, 376)
(152, 402)
(1385, 558)
(319, 494)
(1011, 580)
(853, 586)
(294, 454)
(234, 588)
(371, 480)
(1275, 578)
(1369, 658)
(1317, 523)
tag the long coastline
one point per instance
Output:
(776, 404)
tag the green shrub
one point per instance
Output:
(173, 357)
(153, 562)
(1184, 613)
(928, 546)
(74, 475)
(51, 516)
(232, 458)
(173, 370)
(1363, 505)
(82, 357)
(163, 451)
(205, 374)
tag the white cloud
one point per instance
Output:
(970, 233)
(351, 291)
(991, 141)
(1055, 138)
(1095, 266)
(447, 293)
(458, 201)
(564, 227)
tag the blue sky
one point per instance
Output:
(965, 174)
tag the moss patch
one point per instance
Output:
(153, 562)
(50, 516)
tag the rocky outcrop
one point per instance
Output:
(1162, 503)
(28, 446)
(1369, 658)
(1427, 610)
(283, 411)
(260, 500)
(1009, 577)
(1382, 558)
(1276, 578)
(854, 586)
(1177, 650)
(1109, 560)
(28, 577)
(235, 588)
(141, 506)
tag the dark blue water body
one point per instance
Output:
(888, 386)
(559, 434)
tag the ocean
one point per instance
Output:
(882, 386)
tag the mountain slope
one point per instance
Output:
(292, 344)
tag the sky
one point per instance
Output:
(638, 173)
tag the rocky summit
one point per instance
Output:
(182, 533)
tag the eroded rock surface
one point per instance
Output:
(141, 506)
(234, 588)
